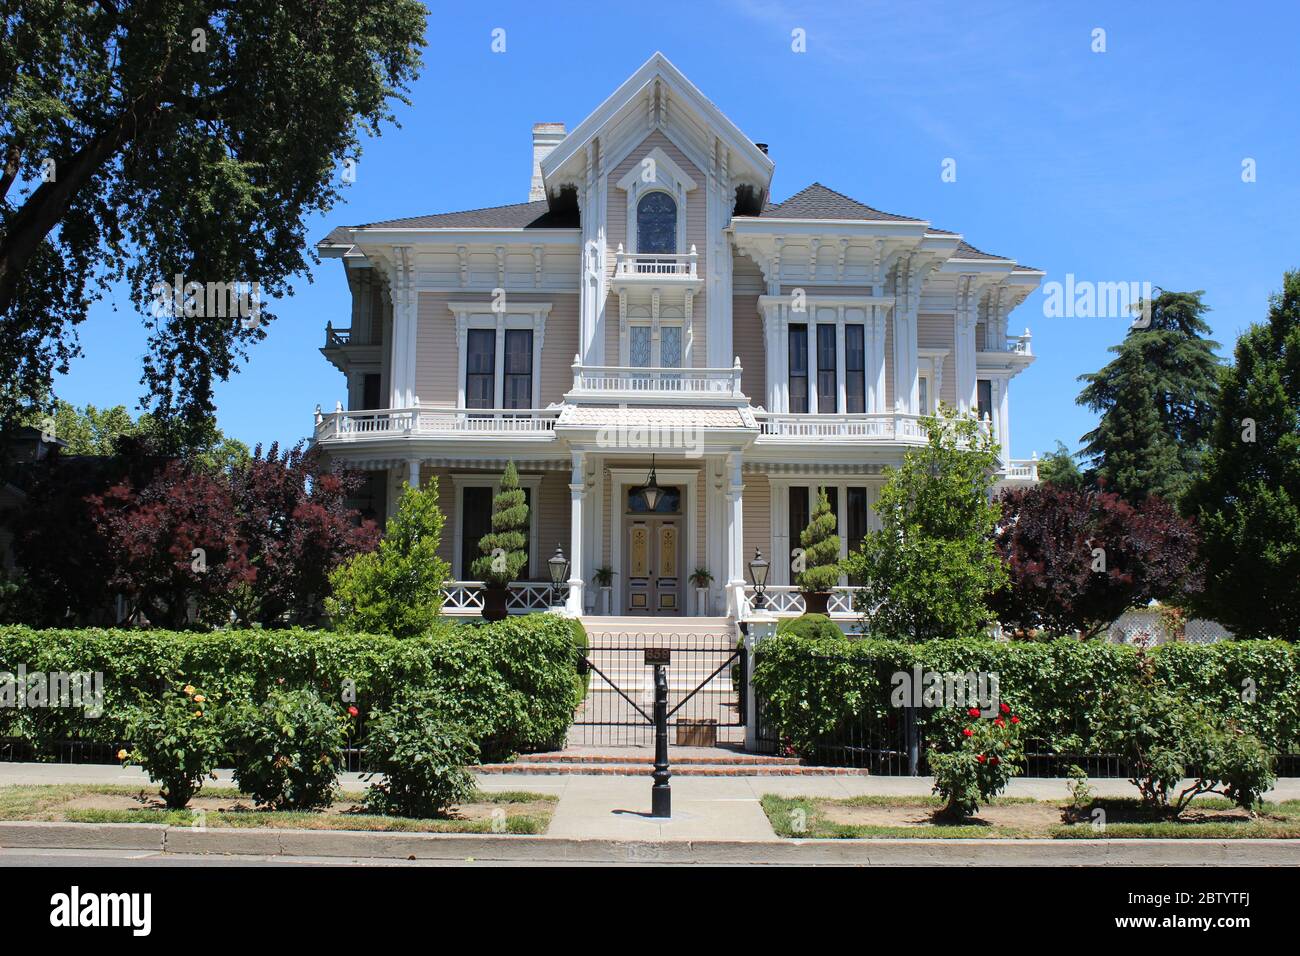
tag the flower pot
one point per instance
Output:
(494, 604)
(815, 602)
(702, 602)
(606, 599)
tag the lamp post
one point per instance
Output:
(558, 565)
(758, 569)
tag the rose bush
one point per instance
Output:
(176, 740)
(987, 754)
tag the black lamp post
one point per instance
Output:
(758, 569)
(558, 565)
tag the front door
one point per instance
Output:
(653, 573)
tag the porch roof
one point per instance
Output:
(597, 416)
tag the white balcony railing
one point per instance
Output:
(656, 265)
(625, 382)
(785, 600)
(341, 426)
(1021, 344)
(524, 597)
(1021, 469)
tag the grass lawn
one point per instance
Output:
(225, 807)
(1020, 818)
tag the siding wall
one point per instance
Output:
(937, 332)
(747, 285)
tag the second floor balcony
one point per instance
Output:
(662, 269)
(659, 386)
(342, 426)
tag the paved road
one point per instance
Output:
(133, 858)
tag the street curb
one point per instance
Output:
(465, 846)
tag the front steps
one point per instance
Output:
(639, 762)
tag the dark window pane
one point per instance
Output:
(518, 380)
(984, 391)
(855, 522)
(480, 368)
(670, 501)
(799, 368)
(799, 515)
(855, 368)
(656, 224)
(827, 389)
(475, 522)
(370, 391)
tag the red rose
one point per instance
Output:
(973, 712)
(353, 711)
(1015, 719)
(966, 732)
(993, 761)
(981, 758)
(1005, 708)
(998, 722)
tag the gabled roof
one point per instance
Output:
(818, 202)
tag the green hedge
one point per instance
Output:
(512, 682)
(813, 685)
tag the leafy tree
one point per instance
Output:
(505, 546)
(821, 548)
(1060, 469)
(396, 589)
(296, 524)
(930, 569)
(1155, 398)
(1247, 499)
(141, 141)
(172, 540)
(1077, 560)
(100, 432)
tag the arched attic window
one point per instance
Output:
(656, 224)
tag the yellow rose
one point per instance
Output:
(198, 713)
(189, 689)
(199, 698)
(122, 754)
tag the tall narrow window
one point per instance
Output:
(855, 522)
(798, 368)
(475, 522)
(480, 368)
(923, 390)
(984, 398)
(656, 224)
(798, 519)
(855, 369)
(827, 390)
(370, 391)
(517, 375)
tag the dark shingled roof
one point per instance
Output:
(818, 202)
(523, 215)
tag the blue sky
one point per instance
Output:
(1117, 166)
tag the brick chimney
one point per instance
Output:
(546, 136)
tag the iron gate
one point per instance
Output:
(706, 686)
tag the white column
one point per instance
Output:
(735, 535)
(812, 360)
(964, 345)
(1003, 404)
(499, 369)
(413, 472)
(577, 494)
(401, 366)
(761, 626)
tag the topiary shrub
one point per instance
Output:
(504, 554)
(177, 741)
(288, 750)
(821, 549)
(418, 758)
(987, 754)
(810, 627)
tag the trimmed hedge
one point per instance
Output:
(815, 685)
(512, 683)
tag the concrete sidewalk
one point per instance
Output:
(604, 808)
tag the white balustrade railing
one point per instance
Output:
(866, 426)
(360, 425)
(1021, 469)
(656, 265)
(335, 338)
(786, 600)
(523, 597)
(623, 381)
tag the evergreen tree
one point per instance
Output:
(821, 548)
(1059, 468)
(1177, 370)
(396, 589)
(1247, 499)
(505, 546)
